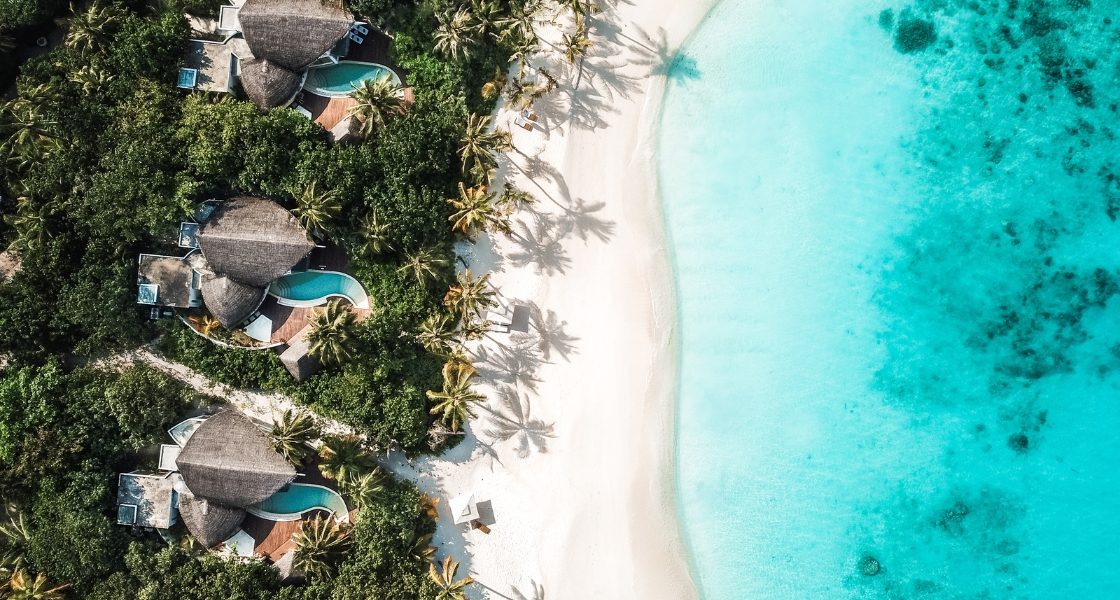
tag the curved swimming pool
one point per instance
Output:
(313, 288)
(295, 499)
(342, 78)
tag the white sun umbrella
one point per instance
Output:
(463, 508)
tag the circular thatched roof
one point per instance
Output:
(231, 302)
(269, 85)
(209, 522)
(293, 33)
(253, 240)
(228, 460)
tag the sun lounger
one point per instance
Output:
(532, 116)
(357, 39)
(522, 123)
(360, 29)
(499, 318)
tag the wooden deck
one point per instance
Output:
(274, 538)
(287, 321)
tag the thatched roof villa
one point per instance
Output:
(224, 467)
(281, 39)
(245, 244)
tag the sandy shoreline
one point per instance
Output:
(574, 448)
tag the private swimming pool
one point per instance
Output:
(297, 498)
(342, 78)
(313, 288)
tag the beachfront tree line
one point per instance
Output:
(101, 157)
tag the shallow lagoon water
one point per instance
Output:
(898, 261)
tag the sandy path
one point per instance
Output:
(264, 408)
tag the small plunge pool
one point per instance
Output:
(341, 79)
(295, 499)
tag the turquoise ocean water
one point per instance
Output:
(898, 263)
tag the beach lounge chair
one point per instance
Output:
(522, 123)
(357, 39)
(499, 317)
(362, 29)
(532, 116)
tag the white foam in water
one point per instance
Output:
(895, 343)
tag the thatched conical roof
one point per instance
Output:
(231, 302)
(293, 33)
(253, 241)
(209, 522)
(228, 460)
(269, 85)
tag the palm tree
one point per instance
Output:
(421, 549)
(377, 101)
(479, 145)
(15, 537)
(513, 198)
(487, 17)
(332, 333)
(206, 324)
(576, 45)
(22, 586)
(453, 402)
(469, 295)
(30, 133)
(343, 455)
(30, 222)
(363, 489)
(292, 434)
(444, 578)
(91, 30)
(474, 210)
(423, 264)
(91, 78)
(454, 36)
(316, 210)
(319, 544)
(375, 235)
(580, 8)
(522, 49)
(437, 335)
(521, 22)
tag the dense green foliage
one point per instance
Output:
(101, 157)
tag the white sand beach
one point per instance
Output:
(571, 455)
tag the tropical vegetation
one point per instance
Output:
(292, 435)
(101, 157)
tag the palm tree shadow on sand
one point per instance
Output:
(513, 421)
(579, 218)
(515, 364)
(546, 332)
(535, 592)
(539, 244)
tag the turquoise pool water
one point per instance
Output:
(298, 498)
(341, 79)
(312, 288)
(898, 264)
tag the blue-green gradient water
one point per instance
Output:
(898, 261)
